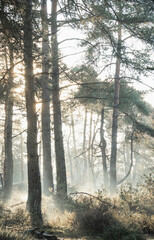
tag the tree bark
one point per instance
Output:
(46, 132)
(8, 162)
(113, 161)
(103, 149)
(34, 183)
(59, 147)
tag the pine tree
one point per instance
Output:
(34, 184)
(46, 132)
(59, 147)
(100, 21)
(8, 162)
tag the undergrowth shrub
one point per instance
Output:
(13, 223)
(6, 234)
(90, 213)
(139, 198)
(139, 204)
(126, 217)
(18, 217)
(98, 217)
(93, 221)
(120, 232)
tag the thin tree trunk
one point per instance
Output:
(76, 176)
(124, 155)
(59, 147)
(1, 181)
(113, 161)
(22, 159)
(90, 136)
(39, 130)
(70, 160)
(8, 162)
(46, 132)
(84, 146)
(73, 133)
(103, 149)
(92, 148)
(136, 164)
(131, 157)
(2, 159)
(90, 163)
(34, 183)
(2, 166)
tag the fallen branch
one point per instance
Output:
(90, 195)
(15, 205)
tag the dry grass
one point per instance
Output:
(55, 217)
(129, 216)
(14, 221)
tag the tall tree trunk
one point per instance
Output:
(46, 132)
(59, 147)
(103, 149)
(34, 183)
(8, 162)
(113, 161)
(84, 147)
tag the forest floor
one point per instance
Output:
(61, 236)
(128, 216)
(99, 238)
(16, 224)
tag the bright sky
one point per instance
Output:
(150, 82)
(74, 55)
